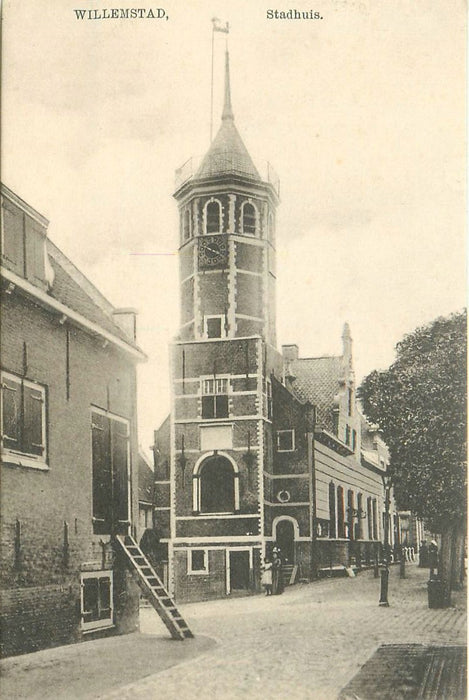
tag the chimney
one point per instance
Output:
(347, 345)
(290, 352)
(126, 319)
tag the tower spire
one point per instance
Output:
(227, 108)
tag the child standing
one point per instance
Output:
(266, 579)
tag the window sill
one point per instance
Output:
(99, 628)
(23, 461)
(203, 572)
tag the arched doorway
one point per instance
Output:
(285, 538)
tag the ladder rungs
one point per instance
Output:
(154, 589)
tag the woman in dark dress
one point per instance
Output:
(277, 573)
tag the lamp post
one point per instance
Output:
(383, 600)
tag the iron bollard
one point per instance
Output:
(402, 564)
(383, 600)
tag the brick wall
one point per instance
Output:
(40, 581)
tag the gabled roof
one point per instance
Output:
(61, 288)
(317, 379)
(227, 153)
(67, 289)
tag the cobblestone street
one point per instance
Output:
(307, 643)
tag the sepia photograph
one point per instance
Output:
(233, 350)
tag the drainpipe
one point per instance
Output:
(311, 421)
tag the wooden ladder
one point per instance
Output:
(152, 588)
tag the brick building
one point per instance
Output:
(69, 444)
(260, 447)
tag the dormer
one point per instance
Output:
(24, 234)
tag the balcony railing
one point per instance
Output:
(227, 163)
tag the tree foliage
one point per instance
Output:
(419, 404)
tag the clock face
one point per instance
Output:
(213, 252)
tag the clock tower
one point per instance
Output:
(221, 369)
(227, 240)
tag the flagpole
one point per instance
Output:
(211, 85)
(216, 27)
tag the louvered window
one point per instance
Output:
(23, 408)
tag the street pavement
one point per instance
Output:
(307, 643)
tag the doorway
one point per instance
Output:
(110, 473)
(285, 538)
(239, 564)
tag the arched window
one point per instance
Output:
(248, 216)
(332, 512)
(358, 524)
(186, 225)
(217, 486)
(340, 512)
(213, 217)
(350, 509)
(271, 227)
(375, 519)
(369, 514)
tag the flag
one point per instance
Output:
(217, 27)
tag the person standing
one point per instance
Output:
(277, 572)
(266, 578)
(433, 557)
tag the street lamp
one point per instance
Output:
(383, 600)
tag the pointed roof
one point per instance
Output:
(227, 153)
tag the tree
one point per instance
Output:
(419, 404)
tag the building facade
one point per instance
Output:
(261, 447)
(69, 444)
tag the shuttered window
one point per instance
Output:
(23, 408)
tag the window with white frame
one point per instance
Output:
(96, 599)
(248, 218)
(213, 217)
(215, 326)
(186, 224)
(23, 419)
(285, 440)
(197, 561)
(215, 398)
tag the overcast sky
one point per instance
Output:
(361, 114)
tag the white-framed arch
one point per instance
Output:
(249, 202)
(212, 200)
(294, 521)
(196, 476)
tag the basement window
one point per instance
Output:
(96, 600)
(198, 561)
